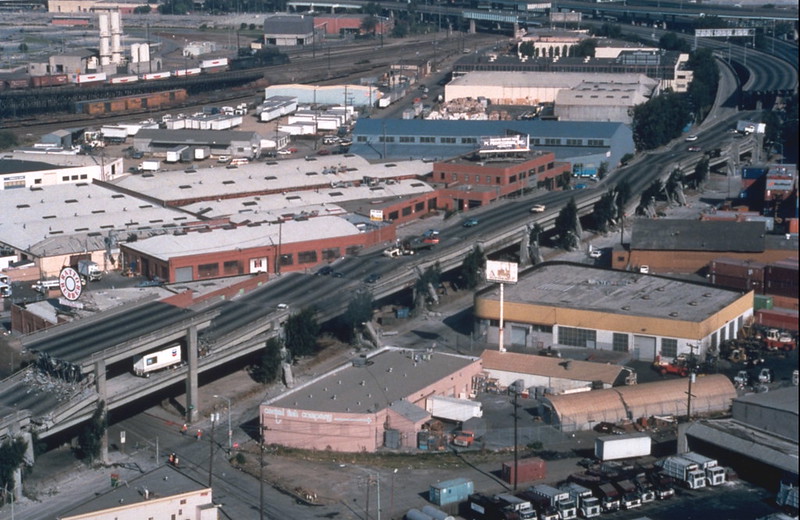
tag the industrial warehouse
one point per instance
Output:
(648, 316)
(376, 400)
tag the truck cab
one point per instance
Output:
(464, 439)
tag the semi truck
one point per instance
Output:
(588, 504)
(523, 508)
(609, 497)
(615, 447)
(629, 496)
(89, 270)
(560, 500)
(499, 507)
(684, 471)
(146, 364)
(715, 474)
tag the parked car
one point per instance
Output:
(325, 270)
(471, 222)
(694, 148)
(538, 208)
(374, 277)
(691, 138)
(595, 253)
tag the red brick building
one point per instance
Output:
(342, 25)
(472, 181)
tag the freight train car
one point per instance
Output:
(138, 102)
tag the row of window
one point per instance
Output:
(557, 141)
(535, 141)
(236, 267)
(620, 342)
(490, 179)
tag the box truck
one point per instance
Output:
(588, 504)
(615, 447)
(146, 364)
(561, 500)
(89, 271)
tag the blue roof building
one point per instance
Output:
(584, 144)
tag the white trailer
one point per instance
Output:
(453, 409)
(684, 470)
(201, 153)
(715, 474)
(384, 102)
(615, 447)
(114, 133)
(146, 364)
(150, 166)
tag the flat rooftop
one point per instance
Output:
(575, 286)
(220, 182)
(543, 79)
(388, 376)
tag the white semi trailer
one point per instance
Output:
(146, 364)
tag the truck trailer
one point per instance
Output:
(615, 447)
(715, 474)
(684, 471)
(450, 491)
(523, 508)
(453, 409)
(588, 504)
(146, 364)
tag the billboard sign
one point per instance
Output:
(376, 215)
(565, 17)
(724, 33)
(69, 281)
(505, 144)
(502, 272)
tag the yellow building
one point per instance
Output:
(571, 305)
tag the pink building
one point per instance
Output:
(354, 407)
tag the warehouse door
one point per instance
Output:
(183, 274)
(519, 336)
(644, 348)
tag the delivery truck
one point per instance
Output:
(89, 271)
(149, 166)
(145, 364)
(715, 474)
(684, 471)
(616, 447)
(608, 495)
(588, 504)
(560, 500)
(629, 495)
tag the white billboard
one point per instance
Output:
(504, 144)
(565, 17)
(503, 272)
(724, 33)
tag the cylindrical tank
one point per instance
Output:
(135, 52)
(416, 514)
(116, 37)
(436, 514)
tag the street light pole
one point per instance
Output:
(230, 431)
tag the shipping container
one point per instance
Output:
(615, 447)
(530, 469)
(83, 79)
(781, 278)
(762, 301)
(156, 75)
(188, 72)
(49, 81)
(202, 152)
(450, 491)
(214, 64)
(778, 318)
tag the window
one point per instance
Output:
(427, 139)
(393, 215)
(574, 142)
(287, 259)
(595, 142)
(513, 178)
(477, 179)
(576, 337)
(419, 206)
(352, 250)
(307, 257)
(552, 142)
(407, 139)
(669, 347)
(454, 176)
(232, 267)
(488, 179)
(536, 141)
(447, 140)
(331, 254)
(714, 341)
(361, 139)
(151, 361)
(207, 270)
(386, 139)
(620, 342)
(550, 165)
(406, 211)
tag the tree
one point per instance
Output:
(359, 311)
(660, 120)
(8, 139)
(527, 49)
(602, 171)
(672, 42)
(369, 25)
(90, 439)
(701, 172)
(604, 212)
(647, 201)
(705, 80)
(609, 30)
(623, 196)
(301, 332)
(372, 9)
(567, 226)
(674, 187)
(534, 236)
(142, 9)
(267, 368)
(473, 266)
(12, 454)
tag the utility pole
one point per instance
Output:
(516, 433)
(261, 474)
(214, 417)
(691, 380)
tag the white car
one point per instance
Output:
(284, 152)
(538, 208)
(595, 253)
(691, 138)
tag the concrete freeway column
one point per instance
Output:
(102, 394)
(191, 374)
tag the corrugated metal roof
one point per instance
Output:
(194, 137)
(550, 367)
(736, 437)
(694, 235)
(409, 410)
(711, 394)
(785, 399)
